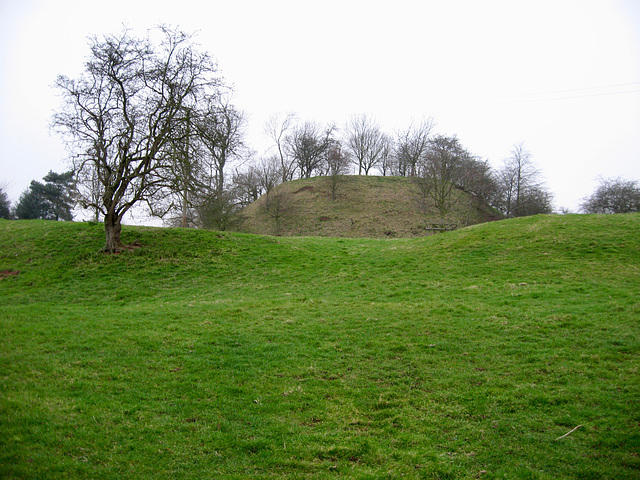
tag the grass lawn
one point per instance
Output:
(217, 355)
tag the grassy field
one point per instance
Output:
(213, 355)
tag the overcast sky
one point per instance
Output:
(561, 76)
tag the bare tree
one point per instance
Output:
(220, 136)
(268, 176)
(614, 195)
(277, 128)
(217, 211)
(221, 132)
(438, 176)
(537, 200)
(248, 184)
(308, 144)
(365, 142)
(337, 165)
(182, 177)
(259, 179)
(478, 178)
(386, 156)
(194, 191)
(411, 147)
(518, 173)
(121, 116)
(277, 205)
(521, 191)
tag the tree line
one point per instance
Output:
(150, 122)
(440, 165)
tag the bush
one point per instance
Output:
(614, 196)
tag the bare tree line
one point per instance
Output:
(440, 165)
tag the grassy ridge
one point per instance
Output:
(213, 355)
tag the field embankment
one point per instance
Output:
(216, 355)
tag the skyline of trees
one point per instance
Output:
(150, 122)
(440, 165)
(514, 190)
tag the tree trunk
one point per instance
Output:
(112, 230)
(185, 206)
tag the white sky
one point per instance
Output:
(562, 76)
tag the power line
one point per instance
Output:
(553, 92)
(564, 94)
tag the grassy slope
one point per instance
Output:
(365, 206)
(206, 355)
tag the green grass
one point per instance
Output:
(215, 355)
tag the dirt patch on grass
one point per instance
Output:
(8, 273)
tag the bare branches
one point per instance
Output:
(411, 147)
(365, 142)
(307, 145)
(123, 115)
(438, 176)
(277, 128)
(521, 188)
(614, 196)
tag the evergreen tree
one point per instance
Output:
(52, 200)
(5, 205)
(30, 205)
